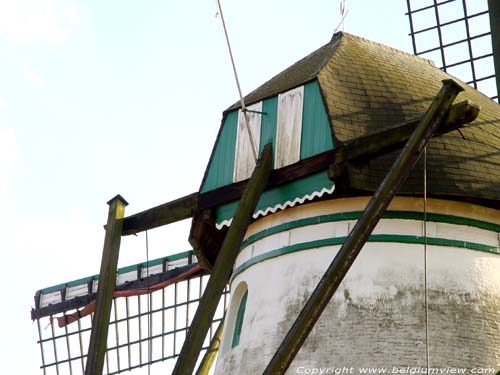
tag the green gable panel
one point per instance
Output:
(269, 121)
(220, 170)
(316, 132)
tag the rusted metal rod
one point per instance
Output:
(107, 284)
(344, 259)
(223, 265)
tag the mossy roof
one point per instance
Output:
(367, 87)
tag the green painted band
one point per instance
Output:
(387, 238)
(354, 215)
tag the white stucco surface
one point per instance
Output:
(377, 317)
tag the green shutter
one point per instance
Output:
(269, 121)
(316, 132)
(220, 170)
(239, 320)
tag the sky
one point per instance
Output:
(99, 98)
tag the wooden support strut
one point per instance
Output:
(224, 265)
(344, 259)
(107, 283)
(211, 353)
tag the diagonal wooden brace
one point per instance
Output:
(344, 259)
(211, 353)
(224, 265)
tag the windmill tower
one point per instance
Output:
(424, 289)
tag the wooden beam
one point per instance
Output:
(107, 283)
(170, 212)
(211, 353)
(377, 144)
(347, 254)
(223, 265)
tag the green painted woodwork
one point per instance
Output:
(388, 238)
(316, 135)
(239, 320)
(151, 263)
(316, 131)
(355, 215)
(268, 124)
(281, 194)
(220, 169)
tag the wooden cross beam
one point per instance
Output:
(347, 254)
(370, 145)
(224, 265)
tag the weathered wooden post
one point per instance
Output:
(224, 265)
(106, 286)
(211, 353)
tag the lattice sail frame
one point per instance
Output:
(456, 35)
(144, 329)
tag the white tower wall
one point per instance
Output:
(377, 317)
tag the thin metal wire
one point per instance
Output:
(80, 340)
(128, 332)
(117, 335)
(54, 343)
(175, 318)
(150, 307)
(163, 322)
(41, 345)
(242, 101)
(68, 346)
(140, 327)
(426, 301)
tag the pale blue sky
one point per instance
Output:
(105, 97)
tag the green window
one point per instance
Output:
(239, 320)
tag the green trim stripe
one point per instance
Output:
(354, 215)
(151, 263)
(391, 238)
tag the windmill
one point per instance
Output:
(289, 178)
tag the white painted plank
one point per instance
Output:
(244, 162)
(289, 129)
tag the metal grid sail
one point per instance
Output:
(456, 35)
(146, 326)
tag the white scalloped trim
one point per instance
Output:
(280, 207)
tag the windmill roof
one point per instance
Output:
(368, 87)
